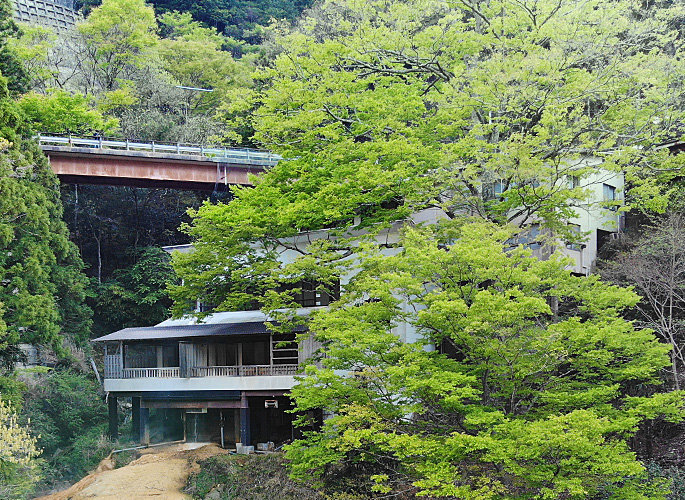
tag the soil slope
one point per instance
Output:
(159, 473)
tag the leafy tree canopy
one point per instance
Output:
(193, 55)
(382, 109)
(119, 34)
(239, 19)
(61, 112)
(10, 64)
(135, 296)
(544, 384)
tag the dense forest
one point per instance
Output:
(241, 21)
(546, 384)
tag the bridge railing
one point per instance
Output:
(218, 154)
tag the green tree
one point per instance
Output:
(32, 48)
(61, 112)
(120, 36)
(193, 55)
(540, 387)
(10, 63)
(67, 412)
(239, 19)
(383, 109)
(43, 288)
(136, 295)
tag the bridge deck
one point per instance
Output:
(100, 161)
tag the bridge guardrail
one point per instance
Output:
(232, 155)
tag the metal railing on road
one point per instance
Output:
(218, 154)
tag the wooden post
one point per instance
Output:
(135, 419)
(183, 360)
(160, 357)
(113, 417)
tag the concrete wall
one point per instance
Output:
(58, 15)
(256, 383)
(592, 216)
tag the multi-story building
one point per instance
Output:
(226, 379)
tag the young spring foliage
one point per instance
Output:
(382, 109)
(541, 387)
(118, 34)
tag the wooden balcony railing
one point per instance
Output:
(171, 372)
(113, 370)
(242, 371)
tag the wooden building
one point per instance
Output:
(225, 380)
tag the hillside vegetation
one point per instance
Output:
(529, 382)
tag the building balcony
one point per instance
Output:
(217, 356)
(114, 372)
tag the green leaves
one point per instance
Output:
(63, 113)
(382, 110)
(537, 395)
(119, 33)
(135, 296)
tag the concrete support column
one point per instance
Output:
(145, 426)
(113, 417)
(236, 425)
(244, 420)
(135, 418)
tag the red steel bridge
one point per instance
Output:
(148, 164)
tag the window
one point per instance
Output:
(493, 190)
(170, 355)
(609, 194)
(226, 354)
(256, 353)
(574, 244)
(313, 294)
(140, 356)
(528, 237)
(204, 306)
(573, 181)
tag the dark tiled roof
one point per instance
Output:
(187, 331)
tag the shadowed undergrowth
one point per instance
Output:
(246, 477)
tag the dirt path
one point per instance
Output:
(159, 473)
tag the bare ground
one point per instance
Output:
(159, 473)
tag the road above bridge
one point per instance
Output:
(138, 164)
